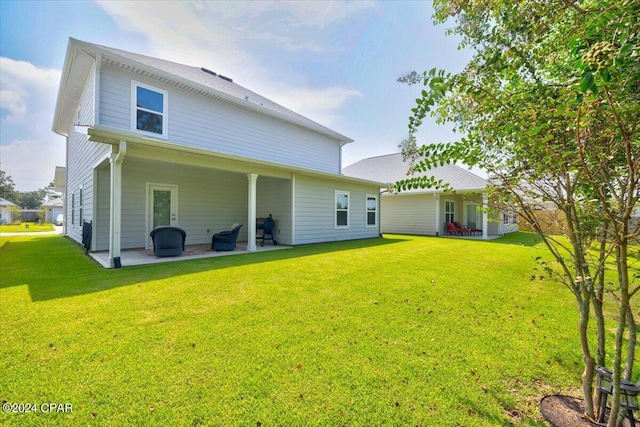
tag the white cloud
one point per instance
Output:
(29, 150)
(24, 87)
(227, 36)
(320, 105)
(31, 162)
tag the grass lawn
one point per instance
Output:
(26, 227)
(400, 331)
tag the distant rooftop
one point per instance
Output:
(391, 168)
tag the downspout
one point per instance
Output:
(115, 204)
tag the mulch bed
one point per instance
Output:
(566, 411)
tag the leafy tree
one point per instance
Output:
(7, 187)
(549, 106)
(31, 199)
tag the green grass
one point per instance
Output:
(26, 227)
(386, 332)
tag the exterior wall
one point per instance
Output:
(315, 210)
(409, 214)
(82, 157)
(205, 123)
(6, 215)
(274, 197)
(209, 201)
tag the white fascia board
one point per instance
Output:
(111, 135)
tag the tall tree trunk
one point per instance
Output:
(623, 281)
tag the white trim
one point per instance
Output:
(335, 209)
(366, 210)
(96, 89)
(164, 113)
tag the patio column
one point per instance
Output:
(115, 203)
(485, 222)
(251, 244)
(437, 196)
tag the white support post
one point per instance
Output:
(437, 196)
(115, 205)
(251, 244)
(485, 222)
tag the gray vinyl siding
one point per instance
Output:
(206, 123)
(315, 211)
(273, 196)
(209, 201)
(409, 214)
(83, 156)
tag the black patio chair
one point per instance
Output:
(168, 241)
(226, 240)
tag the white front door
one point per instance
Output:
(162, 207)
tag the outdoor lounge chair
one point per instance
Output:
(461, 229)
(226, 240)
(168, 241)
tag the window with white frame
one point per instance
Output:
(342, 209)
(449, 211)
(149, 109)
(80, 207)
(73, 207)
(372, 210)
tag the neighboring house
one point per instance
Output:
(152, 142)
(426, 211)
(52, 209)
(9, 211)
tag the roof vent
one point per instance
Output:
(208, 71)
(225, 78)
(246, 97)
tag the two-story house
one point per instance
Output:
(152, 142)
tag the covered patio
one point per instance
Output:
(133, 257)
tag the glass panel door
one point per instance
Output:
(161, 207)
(472, 220)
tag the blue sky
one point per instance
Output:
(334, 62)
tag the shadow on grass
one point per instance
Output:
(55, 267)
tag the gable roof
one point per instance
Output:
(5, 202)
(53, 203)
(391, 168)
(81, 55)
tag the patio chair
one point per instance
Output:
(461, 229)
(168, 241)
(452, 230)
(226, 240)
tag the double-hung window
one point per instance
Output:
(149, 109)
(449, 211)
(372, 210)
(342, 209)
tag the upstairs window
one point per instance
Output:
(149, 112)
(342, 209)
